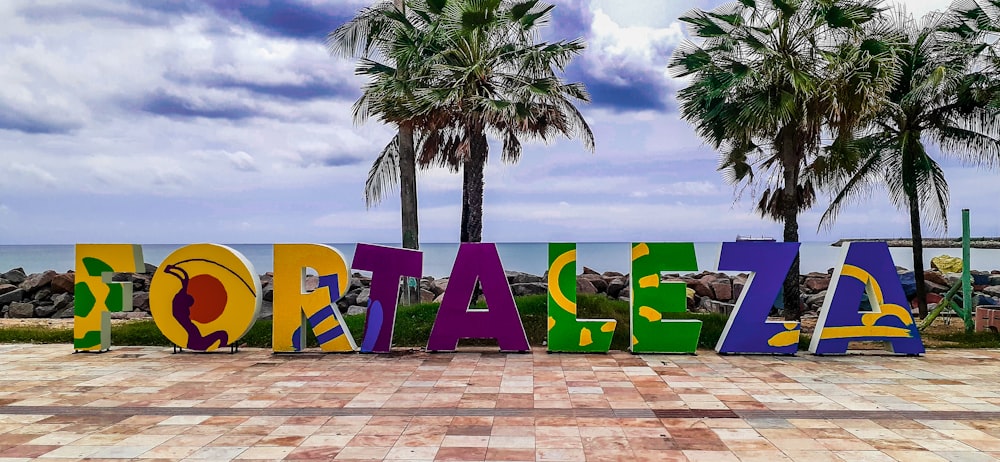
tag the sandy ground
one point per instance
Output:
(53, 323)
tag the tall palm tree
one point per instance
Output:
(770, 79)
(389, 45)
(491, 76)
(947, 95)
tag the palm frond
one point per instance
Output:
(383, 177)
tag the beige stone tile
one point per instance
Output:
(711, 456)
(412, 453)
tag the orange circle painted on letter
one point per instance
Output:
(209, 298)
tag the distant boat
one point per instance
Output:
(752, 238)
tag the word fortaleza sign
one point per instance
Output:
(207, 296)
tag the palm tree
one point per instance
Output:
(492, 76)
(383, 32)
(769, 80)
(947, 95)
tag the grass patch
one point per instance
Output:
(35, 334)
(413, 328)
(964, 340)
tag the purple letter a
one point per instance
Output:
(456, 321)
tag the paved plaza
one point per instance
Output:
(146, 403)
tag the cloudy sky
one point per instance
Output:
(224, 121)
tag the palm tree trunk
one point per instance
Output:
(916, 236)
(410, 226)
(918, 257)
(472, 188)
(408, 204)
(790, 216)
(408, 187)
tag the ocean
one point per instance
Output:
(525, 257)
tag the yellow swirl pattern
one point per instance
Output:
(868, 327)
(554, 290)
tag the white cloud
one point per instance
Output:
(28, 175)
(246, 136)
(684, 188)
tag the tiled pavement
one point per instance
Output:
(146, 403)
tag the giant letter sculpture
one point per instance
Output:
(96, 296)
(204, 297)
(652, 298)
(387, 265)
(867, 270)
(769, 263)
(566, 332)
(455, 320)
(295, 308)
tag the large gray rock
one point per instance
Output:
(723, 290)
(517, 277)
(268, 292)
(714, 306)
(528, 288)
(935, 288)
(140, 301)
(121, 277)
(615, 287)
(739, 283)
(45, 311)
(4, 288)
(363, 296)
(21, 310)
(140, 282)
(36, 281)
(15, 276)
(65, 313)
(702, 288)
(426, 296)
(438, 286)
(584, 286)
(355, 310)
(61, 301)
(63, 283)
(266, 278)
(597, 280)
(42, 295)
(363, 281)
(815, 301)
(15, 295)
(817, 282)
(938, 278)
(266, 310)
(350, 298)
(312, 282)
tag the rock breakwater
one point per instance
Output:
(50, 294)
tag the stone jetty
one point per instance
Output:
(50, 294)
